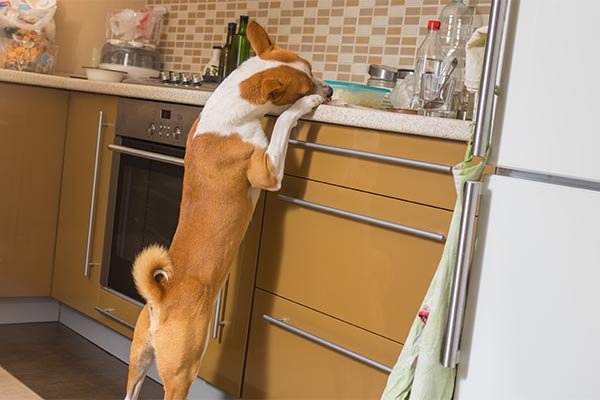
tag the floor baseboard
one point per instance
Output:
(21, 310)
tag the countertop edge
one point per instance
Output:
(442, 128)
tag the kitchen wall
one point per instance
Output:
(81, 27)
(340, 37)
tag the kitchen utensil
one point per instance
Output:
(104, 74)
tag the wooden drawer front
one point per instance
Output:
(285, 365)
(400, 181)
(370, 276)
(117, 312)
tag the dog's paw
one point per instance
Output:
(305, 104)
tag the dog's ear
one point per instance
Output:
(259, 38)
(271, 89)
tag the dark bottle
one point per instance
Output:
(227, 52)
(241, 45)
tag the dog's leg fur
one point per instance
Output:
(277, 148)
(141, 355)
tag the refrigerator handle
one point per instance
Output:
(449, 356)
(483, 116)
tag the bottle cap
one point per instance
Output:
(244, 18)
(433, 24)
(231, 25)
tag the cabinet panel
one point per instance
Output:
(283, 365)
(69, 284)
(370, 276)
(32, 129)
(399, 181)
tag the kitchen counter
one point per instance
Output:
(356, 117)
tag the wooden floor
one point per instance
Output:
(57, 363)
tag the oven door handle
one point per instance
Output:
(149, 155)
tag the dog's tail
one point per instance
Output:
(152, 270)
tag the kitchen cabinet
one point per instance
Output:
(347, 252)
(286, 365)
(90, 116)
(32, 128)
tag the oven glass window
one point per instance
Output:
(146, 212)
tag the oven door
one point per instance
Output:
(144, 199)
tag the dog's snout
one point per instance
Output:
(323, 89)
(328, 91)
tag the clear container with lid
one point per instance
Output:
(382, 76)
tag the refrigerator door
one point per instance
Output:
(547, 115)
(532, 325)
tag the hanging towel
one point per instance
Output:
(475, 50)
(418, 373)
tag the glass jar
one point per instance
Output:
(382, 76)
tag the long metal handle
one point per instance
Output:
(483, 120)
(449, 357)
(88, 250)
(438, 237)
(146, 154)
(327, 343)
(217, 320)
(374, 156)
(110, 315)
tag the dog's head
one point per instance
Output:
(278, 76)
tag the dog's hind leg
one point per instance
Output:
(141, 355)
(178, 356)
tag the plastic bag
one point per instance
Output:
(27, 32)
(402, 95)
(136, 25)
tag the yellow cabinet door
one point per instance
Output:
(408, 167)
(292, 365)
(89, 116)
(369, 275)
(32, 129)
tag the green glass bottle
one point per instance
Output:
(241, 45)
(227, 53)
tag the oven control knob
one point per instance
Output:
(177, 133)
(151, 129)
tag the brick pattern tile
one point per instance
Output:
(340, 37)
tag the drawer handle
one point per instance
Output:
(326, 343)
(374, 156)
(110, 315)
(438, 237)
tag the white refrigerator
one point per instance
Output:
(532, 318)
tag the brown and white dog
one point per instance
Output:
(228, 160)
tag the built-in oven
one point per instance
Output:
(145, 185)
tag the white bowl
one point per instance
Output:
(103, 74)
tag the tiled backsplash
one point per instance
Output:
(340, 37)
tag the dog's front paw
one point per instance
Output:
(305, 104)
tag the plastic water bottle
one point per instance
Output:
(429, 57)
(457, 22)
